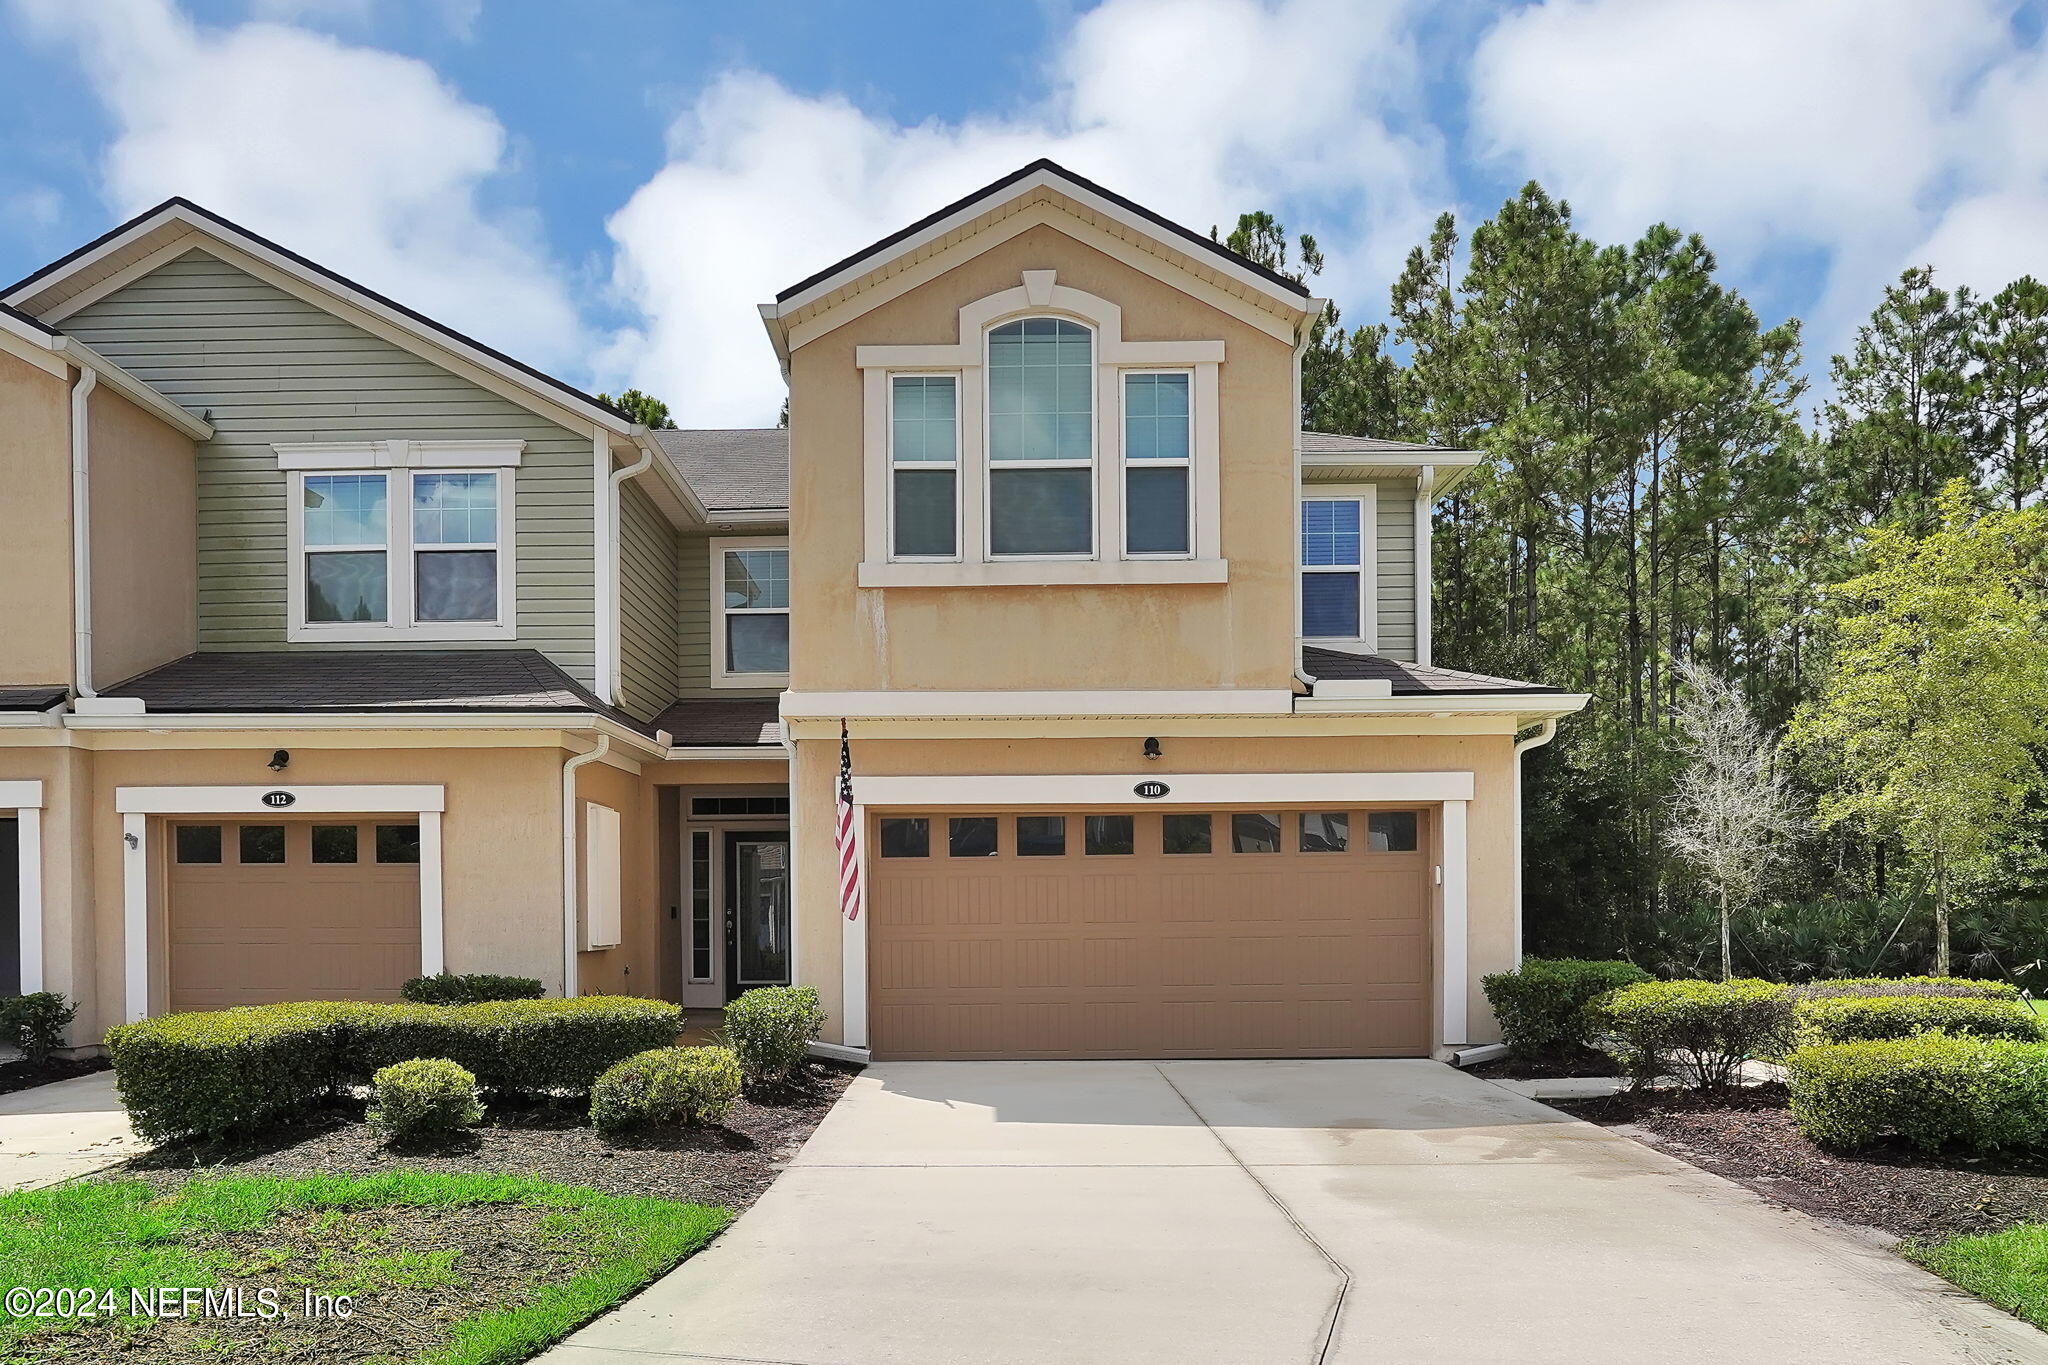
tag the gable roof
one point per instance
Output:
(1044, 173)
(743, 469)
(177, 218)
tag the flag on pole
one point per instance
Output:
(843, 833)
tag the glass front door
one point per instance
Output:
(756, 910)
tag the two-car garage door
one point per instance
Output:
(1148, 933)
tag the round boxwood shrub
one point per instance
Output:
(427, 1097)
(1934, 1091)
(471, 988)
(1541, 1005)
(770, 1029)
(1699, 1031)
(1853, 1019)
(666, 1085)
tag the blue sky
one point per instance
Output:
(606, 189)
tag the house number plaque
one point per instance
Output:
(1151, 791)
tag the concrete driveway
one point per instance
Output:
(62, 1130)
(1257, 1212)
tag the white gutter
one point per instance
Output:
(569, 896)
(1543, 736)
(1301, 339)
(129, 387)
(81, 532)
(605, 484)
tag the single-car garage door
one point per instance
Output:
(1148, 933)
(263, 911)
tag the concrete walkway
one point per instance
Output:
(64, 1129)
(1246, 1213)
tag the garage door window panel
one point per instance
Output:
(1392, 831)
(398, 843)
(906, 837)
(1325, 832)
(334, 844)
(261, 843)
(972, 836)
(1254, 833)
(1110, 835)
(1181, 834)
(1041, 836)
(198, 844)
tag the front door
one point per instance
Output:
(756, 910)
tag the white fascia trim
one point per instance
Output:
(1534, 705)
(131, 388)
(347, 455)
(1221, 701)
(317, 799)
(577, 722)
(975, 208)
(711, 753)
(1183, 789)
(52, 719)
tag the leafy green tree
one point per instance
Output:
(1928, 722)
(2010, 388)
(643, 408)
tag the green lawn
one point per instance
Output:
(447, 1269)
(2007, 1268)
(2040, 1007)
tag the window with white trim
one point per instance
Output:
(1333, 568)
(1041, 439)
(924, 466)
(1158, 447)
(750, 612)
(400, 554)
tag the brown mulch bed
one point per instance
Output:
(1585, 1062)
(729, 1165)
(1749, 1138)
(19, 1075)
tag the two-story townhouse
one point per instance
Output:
(385, 653)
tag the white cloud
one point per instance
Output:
(360, 159)
(1198, 109)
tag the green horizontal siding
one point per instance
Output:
(1395, 566)
(649, 665)
(267, 367)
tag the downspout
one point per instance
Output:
(607, 481)
(1302, 335)
(569, 888)
(81, 532)
(1544, 734)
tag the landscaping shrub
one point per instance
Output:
(182, 1075)
(770, 1029)
(471, 988)
(1699, 1031)
(1541, 1005)
(35, 1023)
(667, 1085)
(1934, 1091)
(529, 1046)
(426, 1097)
(1860, 1018)
(1859, 986)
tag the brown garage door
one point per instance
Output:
(263, 911)
(1148, 933)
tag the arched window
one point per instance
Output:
(1041, 438)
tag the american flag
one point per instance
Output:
(842, 832)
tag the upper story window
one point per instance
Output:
(1333, 545)
(750, 612)
(399, 547)
(1041, 447)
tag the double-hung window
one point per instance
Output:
(1041, 439)
(750, 594)
(1157, 449)
(1333, 568)
(400, 553)
(924, 466)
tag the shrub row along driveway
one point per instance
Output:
(1271, 1212)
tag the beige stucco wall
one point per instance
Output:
(35, 524)
(1178, 636)
(145, 523)
(1490, 842)
(634, 966)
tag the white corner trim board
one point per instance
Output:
(137, 804)
(26, 800)
(1457, 920)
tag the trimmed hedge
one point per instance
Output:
(667, 1085)
(218, 1072)
(423, 1098)
(1861, 986)
(1853, 1019)
(1700, 1031)
(1541, 1005)
(771, 1028)
(472, 988)
(1934, 1091)
(35, 1023)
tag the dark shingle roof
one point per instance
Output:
(32, 696)
(1326, 443)
(720, 721)
(366, 680)
(1409, 680)
(741, 470)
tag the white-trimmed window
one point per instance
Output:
(1334, 537)
(750, 612)
(1158, 454)
(924, 466)
(1041, 439)
(396, 541)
